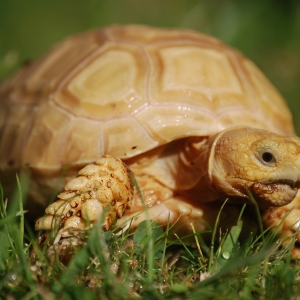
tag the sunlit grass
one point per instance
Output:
(145, 264)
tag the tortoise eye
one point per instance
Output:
(268, 157)
(267, 152)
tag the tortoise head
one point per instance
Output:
(265, 164)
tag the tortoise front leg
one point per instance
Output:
(289, 215)
(104, 186)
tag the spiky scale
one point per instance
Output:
(97, 189)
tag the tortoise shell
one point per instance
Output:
(124, 91)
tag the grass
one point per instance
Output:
(145, 264)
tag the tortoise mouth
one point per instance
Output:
(278, 192)
(290, 182)
(293, 184)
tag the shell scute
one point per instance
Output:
(203, 76)
(116, 74)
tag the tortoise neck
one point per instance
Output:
(196, 157)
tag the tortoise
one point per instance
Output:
(192, 119)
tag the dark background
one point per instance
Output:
(266, 31)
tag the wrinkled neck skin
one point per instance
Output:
(196, 180)
(200, 178)
(181, 166)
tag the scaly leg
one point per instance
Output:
(289, 215)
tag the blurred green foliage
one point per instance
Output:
(267, 31)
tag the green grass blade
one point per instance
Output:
(21, 225)
(150, 256)
(2, 204)
(210, 260)
(230, 244)
(258, 214)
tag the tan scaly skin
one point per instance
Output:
(102, 188)
(180, 180)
